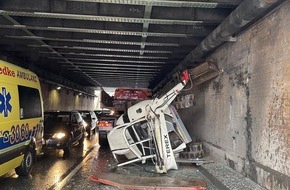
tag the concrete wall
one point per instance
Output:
(66, 100)
(243, 116)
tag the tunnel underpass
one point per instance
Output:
(236, 102)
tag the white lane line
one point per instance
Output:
(61, 184)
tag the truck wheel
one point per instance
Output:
(26, 165)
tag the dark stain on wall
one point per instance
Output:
(239, 78)
(217, 86)
(250, 167)
(204, 86)
(276, 178)
(231, 100)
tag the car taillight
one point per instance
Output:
(104, 124)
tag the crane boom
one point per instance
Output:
(161, 130)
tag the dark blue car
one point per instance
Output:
(62, 129)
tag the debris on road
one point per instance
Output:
(148, 183)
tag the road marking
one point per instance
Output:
(62, 183)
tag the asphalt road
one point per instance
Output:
(51, 171)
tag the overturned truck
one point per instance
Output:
(151, 129)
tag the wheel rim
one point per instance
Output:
(28, 160)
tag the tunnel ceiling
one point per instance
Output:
(109, 43)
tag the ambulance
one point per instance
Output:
(21, 119)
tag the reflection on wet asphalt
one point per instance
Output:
(52, 171)
(103, 162)
(98, 162)
(50, 168)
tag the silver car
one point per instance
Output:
(91, 121)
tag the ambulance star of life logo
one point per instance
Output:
(5, 106)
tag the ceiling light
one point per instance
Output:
(104, 55)
(103, 49)
(164, 3)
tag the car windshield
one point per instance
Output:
(54, 121)
(86, 116)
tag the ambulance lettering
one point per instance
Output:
(17, 134)
(5, 136)
(6, 71)
(26, 76)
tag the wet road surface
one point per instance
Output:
(50, 169)
(52, 172)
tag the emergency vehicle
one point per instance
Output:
(21, 119)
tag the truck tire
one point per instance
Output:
(26, 165)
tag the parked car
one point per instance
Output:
(91, 121)
(105, 125)
(62, 129)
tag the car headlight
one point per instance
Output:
(85, 124)
(58, 135)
